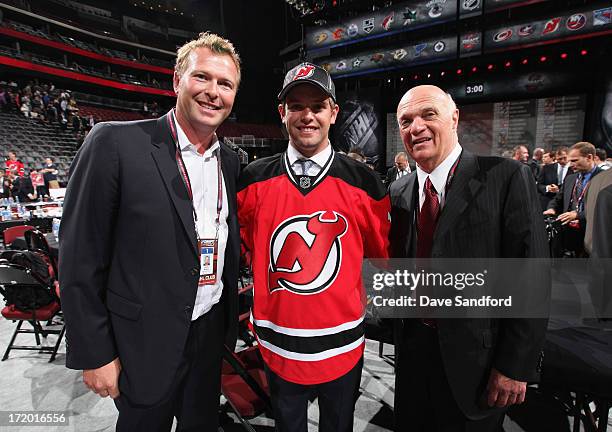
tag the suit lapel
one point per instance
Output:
(462, 190)
(405, 203)
(165, 158)
(568, 188)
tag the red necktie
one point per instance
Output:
(427, 220)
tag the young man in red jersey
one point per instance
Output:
(309, 216)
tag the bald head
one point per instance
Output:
(428, 119)
(428, 91)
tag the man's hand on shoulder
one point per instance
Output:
(104, 380)
(503, 391)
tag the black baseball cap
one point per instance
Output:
(308, 73)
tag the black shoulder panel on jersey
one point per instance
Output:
(359, 175)
(260, 170)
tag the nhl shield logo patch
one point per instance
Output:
(304, 182)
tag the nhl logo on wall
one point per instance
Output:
(341, 65)
(352, 30)
(470, 5)
(368, 25)
(575, 22)
(304, 182)
(439, 46)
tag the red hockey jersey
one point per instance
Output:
(307, 237)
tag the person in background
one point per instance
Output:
(38, 183)
(357, 154)
(49, 172)
(399, 170)
(600, 159)
(548, 158)
(568, 205)
(14, 165)
(23, 189)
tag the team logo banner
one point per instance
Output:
(470, 44)
(493, 5)
(558, 27)
(397, 18)
(468, 8)
(392, 58)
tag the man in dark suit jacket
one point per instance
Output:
(400, 169)
(460, 374)
(146, 319)
(569, 203)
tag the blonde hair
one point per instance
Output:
(213, 42)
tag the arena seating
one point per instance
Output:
(105, 114)
(33, 141)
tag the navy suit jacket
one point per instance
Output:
(128, 256)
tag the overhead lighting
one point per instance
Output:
(563, 56)
(584, 52)
(474, 69)
(508, 64)
(543, 59)
(459, 71)
(490, 67)
(524, 61)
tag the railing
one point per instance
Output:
(248, 141)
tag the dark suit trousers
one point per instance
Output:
(194, 396)
(426, 402)
(336, 402)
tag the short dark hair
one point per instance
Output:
(601, 154)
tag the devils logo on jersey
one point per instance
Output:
(305, 252)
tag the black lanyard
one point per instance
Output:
(185, 176)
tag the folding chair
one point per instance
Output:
(29, 299)
(10, 234)
(243, 378)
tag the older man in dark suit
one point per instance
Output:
(458, 375)
(148, 204)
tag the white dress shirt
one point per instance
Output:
(320, 159)
(438, 176)
(562, 172)
(202, 171)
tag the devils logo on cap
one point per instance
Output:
(304, 72)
